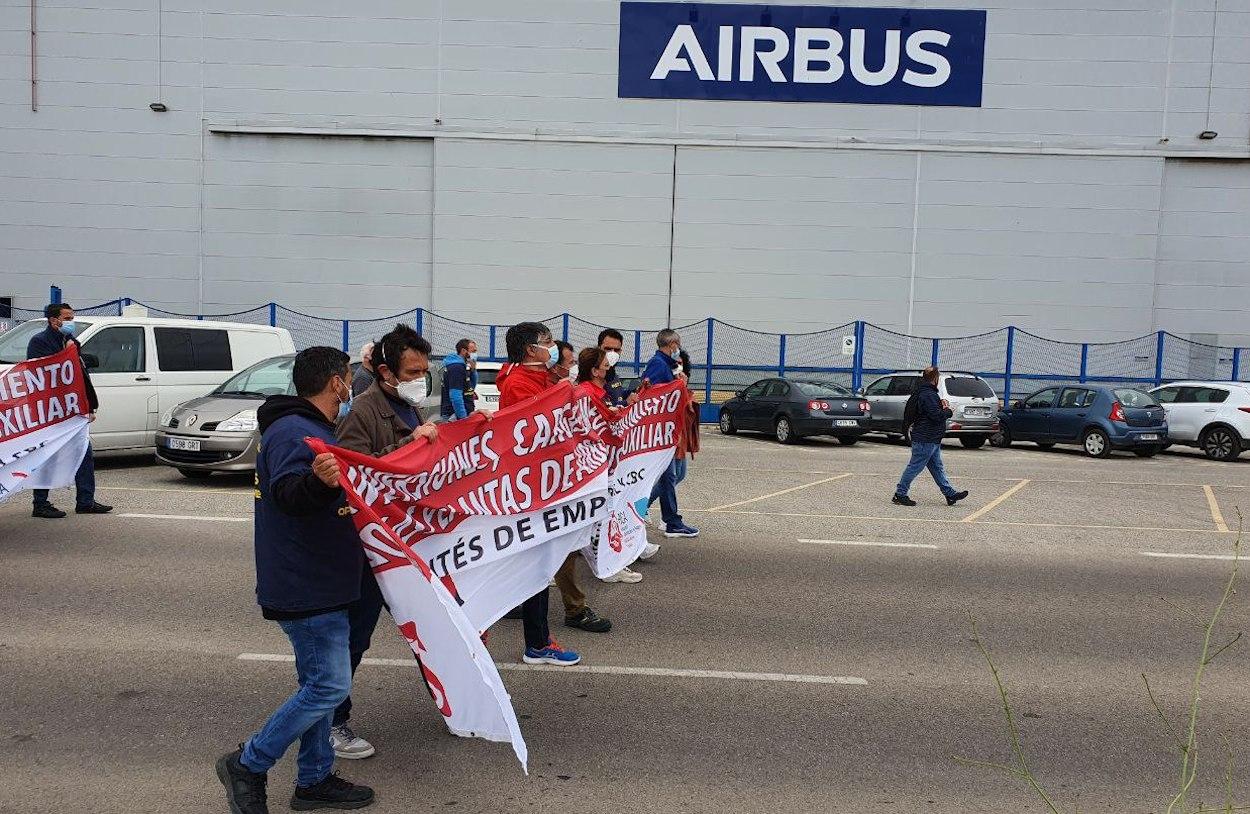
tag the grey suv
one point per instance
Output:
(973, 401)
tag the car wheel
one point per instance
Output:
(1096, 443)
(1045, 444)
(727, 426)
(973, 441)
(195, 474)
(1221, 443)
(848, 440)
(785, 431)
(1001, 439)
(1146, 452)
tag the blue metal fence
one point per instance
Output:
(728, 357)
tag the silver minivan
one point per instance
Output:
(974, 403)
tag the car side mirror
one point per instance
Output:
(860, 392)
(90, 361)
(741, 394)
(1018, 405)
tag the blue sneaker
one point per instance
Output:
(553, 653)
(680, 530)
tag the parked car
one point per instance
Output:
(974, 403)
(1099, 419)
(793, 409)
(218, 432)
(142, 366)
(1212, 416)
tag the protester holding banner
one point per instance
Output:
(612, 343)
(308, 566)
(50, 341)
(532, 353)
(383, 418)
(660, 371)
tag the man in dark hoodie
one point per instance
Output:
(308, 566)
(927, 430)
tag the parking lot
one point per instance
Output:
(810, 651)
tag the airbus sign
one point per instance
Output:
(801, 53)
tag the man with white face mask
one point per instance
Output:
(612, 343)
(381, 420)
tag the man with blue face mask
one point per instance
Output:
(660, 371)
(52, 340)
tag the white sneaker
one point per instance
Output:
(624, 575)
(348, 745)
(649, 552)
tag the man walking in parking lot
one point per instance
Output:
(51, 340)
(459, 381)
(927, 412)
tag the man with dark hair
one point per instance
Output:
(532, 353)
(660, 370)
(308, 566)
(460, 381)
(612, 343)
(931, 412)
(566, 368)
(49, 341)
(383, 418)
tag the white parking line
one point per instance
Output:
(1217, 517)
(778, 494)
(869, 543)
(209, 517)
(1164, 555)
(660, 672)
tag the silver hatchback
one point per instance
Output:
(974, 403)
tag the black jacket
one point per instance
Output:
(308, 554)
(930, 426)
(50, 341)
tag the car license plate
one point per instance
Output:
(977, 411)
(491, 399)
(186, 444)
(846, 423)
(1148, 436)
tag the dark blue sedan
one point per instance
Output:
(792, 410)
(1099, 419)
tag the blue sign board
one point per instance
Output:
(801, 53)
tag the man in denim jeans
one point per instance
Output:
(308, 566)
(927, 431)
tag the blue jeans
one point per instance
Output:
(925, 456)
(665, 490)
(362, 620)
(323, 665)
(84, 483)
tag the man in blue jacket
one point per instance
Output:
(459, 381)
(660, 371)
(308, 565)
(52, 340)
(927, 430)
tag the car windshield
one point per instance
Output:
(271, 377)
(486, 376)
(823, 390)
(968, 387)
(1135, 398)
(13, 342)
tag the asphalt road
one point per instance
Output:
(121, 635)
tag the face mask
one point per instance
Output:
(553, 356)
(473, 356)
(413, 392)
(676, 353)
(345, 406)
(67, 327)
(613, 358)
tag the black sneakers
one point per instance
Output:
(951, 500)
(588, 621)
(245, 789)
(903, 500)
(333, 792)
(93, 508)
(47, 511)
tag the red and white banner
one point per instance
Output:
(462, 530)
(43, 423)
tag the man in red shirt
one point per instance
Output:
(532, 353)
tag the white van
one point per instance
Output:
(142, 366)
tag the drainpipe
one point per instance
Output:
(34, 88)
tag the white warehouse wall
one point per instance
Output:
(1077, 202)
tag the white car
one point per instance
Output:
(1213, 416)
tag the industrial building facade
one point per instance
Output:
(477, 158)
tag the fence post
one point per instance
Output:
(1159, 359)
(564, 326)
(346, 335)
(273, 315)
(637, 352)
(1011, 350)
(857, 358)
(122, 302)
(933, 355)
(492, 343)
(420, 321)
(1236, 364)
(1084, 361)
(54, 294)
(707, 384)
(781, 356)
